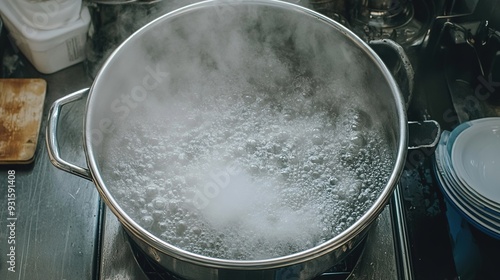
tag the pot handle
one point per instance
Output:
(424, 134)
(398, 63)
(51, 136)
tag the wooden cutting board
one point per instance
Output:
(21, 108)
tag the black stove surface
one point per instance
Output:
(443, 244)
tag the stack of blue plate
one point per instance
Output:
(467, 166)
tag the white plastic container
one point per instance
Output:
(47, 14)
(59, 45)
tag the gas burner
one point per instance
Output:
(340, 271)
(404, 21)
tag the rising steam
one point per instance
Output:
(249, 131)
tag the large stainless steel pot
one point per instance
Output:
(134, 70)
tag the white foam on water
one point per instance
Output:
(236, 177)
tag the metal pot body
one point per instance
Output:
(154, 59)
(304, 269)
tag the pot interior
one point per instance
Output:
(244, 131)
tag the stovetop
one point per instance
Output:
(63, 231)
(374, 258)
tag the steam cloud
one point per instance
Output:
(267, 89)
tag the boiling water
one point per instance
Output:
(246, 172)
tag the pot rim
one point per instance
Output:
(312, 253)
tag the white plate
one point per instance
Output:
(488, 206)
(491, 227)
(467, 199)
(448, 139)
(476, 158)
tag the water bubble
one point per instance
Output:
(333, 180)
(249, 99)
(357, 140)
(163, 226)
(317, 139)
(146, 221)
(159, 203)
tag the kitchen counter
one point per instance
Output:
(57, 213)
